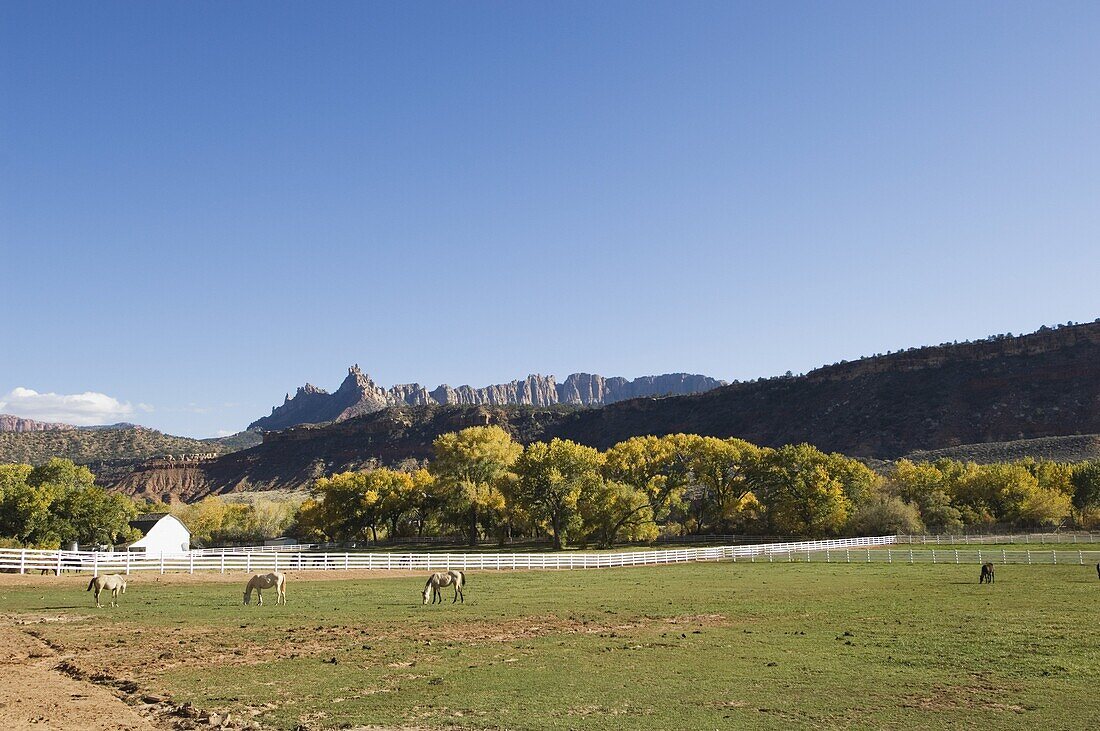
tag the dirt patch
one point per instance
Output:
(516, 629)
(967, 697)
(35, 695)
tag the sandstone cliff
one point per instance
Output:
(359, 395)
(9, 423)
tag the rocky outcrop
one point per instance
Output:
(359, 395)
(9, 423)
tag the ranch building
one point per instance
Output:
(163, 534)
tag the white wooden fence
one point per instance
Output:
(878, 550)
(261, 559)
(975, 539)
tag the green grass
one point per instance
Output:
(716, 645)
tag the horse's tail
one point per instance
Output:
(91, 584)
(462, 578)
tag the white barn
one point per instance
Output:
(164, 534)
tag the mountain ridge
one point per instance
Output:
(358, 394)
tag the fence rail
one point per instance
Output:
(1027, 538)
(28, 560)
(877, 550)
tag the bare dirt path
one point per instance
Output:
(35, 694)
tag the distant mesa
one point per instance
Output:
(9, 423)
(359, 395)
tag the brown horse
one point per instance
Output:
(987, 574)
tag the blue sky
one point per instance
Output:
(204, 205)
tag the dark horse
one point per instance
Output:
(987, 574)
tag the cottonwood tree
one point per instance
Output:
(471, 465)
(799, 493)
(550, 479)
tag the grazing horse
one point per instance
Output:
(1098, 570)
(987, 574)
(439, 580)
(115, 583)
(266, 581)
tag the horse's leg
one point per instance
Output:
(97, 604)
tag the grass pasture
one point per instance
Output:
(710, 645)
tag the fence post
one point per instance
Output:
(162, 562)
(95, 564)
(827, 557)
(223, 562)
(276, 561)
(127, 563)
(933, 555)
(889, 556)
(1004, 557)
(910, 555)
(190, 563)
(979, 555)
(1029, 557)
(1080, 558)
(869, 555)
(23, 561)
(59, 562)
(1054, 555)
(347, 561)
(248, 562)
(956, 555)
(847, 555)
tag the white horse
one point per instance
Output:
(266, 581)
(115, 583)
(439, 580)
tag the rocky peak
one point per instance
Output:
(358, 395)
(10, 423)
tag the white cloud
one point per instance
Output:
(81, 409)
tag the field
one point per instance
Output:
(714, 645)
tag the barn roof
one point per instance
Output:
(145, 522)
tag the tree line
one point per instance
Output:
(482, 484)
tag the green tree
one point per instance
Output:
(1086, 486)
(24, 510)
(612, 510)
(927, 487)
(551, 477)
(799, 493)
(883, 514)
(719, 469)
(657, 466)
(470, 466)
